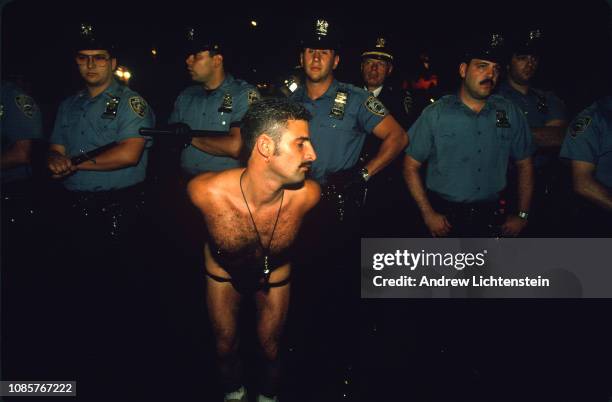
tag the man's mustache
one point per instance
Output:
(485, 81)
(306, 164)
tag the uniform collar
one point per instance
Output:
(375, 92)
(457, 102)
(506, 87)
(227, 81)
(302, 95)
(113, 89)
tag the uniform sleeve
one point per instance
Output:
(23, 120)
(243, 101)
(60, 128)
(135, 114)
(371, 112)
(581, 140)
(175, 116)
(522, 142)
(556, 109)
(421, 137)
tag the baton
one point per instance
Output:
(153, 132)
(89, 155)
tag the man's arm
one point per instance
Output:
(551, 135)
(394, 140)
(438, 224)
(228, 145)
(126, 154)
(19, 153)
(585, 185)
(514, 224)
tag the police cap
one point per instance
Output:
(197, 40)
(489, 46)
(378, 49)
(90, 37)
(320, 33)
(528, 42)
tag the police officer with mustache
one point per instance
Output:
(467, 140)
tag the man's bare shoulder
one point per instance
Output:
(308, 195)
(209, 187)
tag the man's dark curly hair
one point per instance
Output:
(269, 116)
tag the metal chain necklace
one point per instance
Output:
(266, 250)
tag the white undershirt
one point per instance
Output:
(376, 92)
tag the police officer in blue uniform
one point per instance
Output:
(216, 103)
(588, 144)
(101, 222)
(544, 111)
(466, 140)
(343, 115)
(546, 116)
(104, 112)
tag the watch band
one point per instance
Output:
(523, 214)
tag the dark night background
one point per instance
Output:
(36, 37)
(437, 350)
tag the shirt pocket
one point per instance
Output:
(219, 121)
(107, 131)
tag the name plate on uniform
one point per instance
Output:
(337, 110)
(111, 108)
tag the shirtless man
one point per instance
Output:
(253, 216)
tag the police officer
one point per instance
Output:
(99, 244)
(103, 113)
(387, 190)
(544, 111)
(588, 144)
(467, 139)
(376, 67)
(342, 114)
(216, 103)
(545, 114)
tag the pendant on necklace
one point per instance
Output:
(266, 267)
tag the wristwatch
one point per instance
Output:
(364, 173)
(523, 215)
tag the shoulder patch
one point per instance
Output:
(580, 125)
(253, 96)
(375, 106)
(138, 106)
(26, 104)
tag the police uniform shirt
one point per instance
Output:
(85, 123)
(589, 139)
(216, 110)
(399, 103)
(338, 136)
(466, 152)
(539, 107)
(21, 120)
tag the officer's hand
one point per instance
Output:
(60, 165)
(513, 225)
(437, 224)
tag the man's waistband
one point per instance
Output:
(487, 205)
(117, 194)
